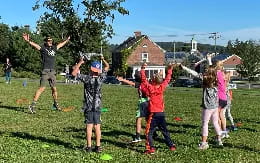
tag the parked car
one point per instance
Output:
(112, 80)
(187, 82)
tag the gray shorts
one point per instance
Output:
(48, 76)
(92, 117)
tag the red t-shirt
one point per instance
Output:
(156, 101)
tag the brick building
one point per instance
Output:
(141, 49)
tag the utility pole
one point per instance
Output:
(174, 50)
(215, 36)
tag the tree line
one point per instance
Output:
(89, 29)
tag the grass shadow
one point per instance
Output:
(187, 126)
(76, 132)
(15, 108)
(28, 136)
(242, 147)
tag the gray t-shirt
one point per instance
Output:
(92, 91)
(210, 98)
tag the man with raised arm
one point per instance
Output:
(48, 55)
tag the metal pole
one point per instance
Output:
(174, 50)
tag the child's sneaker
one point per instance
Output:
(219, 143)
(224, 135)
(87, 149)
(234, 128)
(150, 151)
(136, 140)
(98, 149)
(32, 108)
(173, 148)
(203, 145)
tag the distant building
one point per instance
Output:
(230, 62)
(141, 49)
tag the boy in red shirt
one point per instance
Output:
(156, 109)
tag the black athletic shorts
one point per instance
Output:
(92, 117)
(222, 103)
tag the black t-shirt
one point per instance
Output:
(7, 67)
(48, 54)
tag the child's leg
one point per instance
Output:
(162, 126)
(215, 123)
(206, 114)
(222, 121)
(150, 128)
(138, 126)
(89, 128)
(228, 115)
(98, 134)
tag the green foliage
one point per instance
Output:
(4, 41)
(25, 74)
(249, 52)
(51, 136)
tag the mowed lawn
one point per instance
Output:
(52, 136)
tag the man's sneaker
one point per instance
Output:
(32, 109)
(150, 151)
(136, 140)
(173, 148)
(203, 145)
(56, 106)
(98, 149)
(87, 149)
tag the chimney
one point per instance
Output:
(27, 27)
(137, 33)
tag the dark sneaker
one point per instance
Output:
(234, 128)
(87, 149)
(136, 140)
(150, 151)
(56, 106)
(173, 148)
(98, 149)
(32, 109)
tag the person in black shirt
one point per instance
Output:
(7, 69)
(48, 55)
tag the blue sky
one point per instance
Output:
(159, 18)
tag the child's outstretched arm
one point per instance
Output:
(190, 71)
(106, 64)
(143, 76)
(125, 81)
(169, 74)
(76, 67)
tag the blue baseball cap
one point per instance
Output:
(96, 66)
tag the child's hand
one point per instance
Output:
(119, 78)
(144, 65)
(26, 37)
(82, 60)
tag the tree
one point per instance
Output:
(249, 51)
(4, 41)
(89, 23)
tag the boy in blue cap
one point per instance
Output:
(92, 99)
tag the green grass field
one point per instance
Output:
(52, 136)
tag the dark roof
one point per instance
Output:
(129, 42)
(177, 55)
(220, 57)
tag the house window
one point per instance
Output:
(145, 46)
(145, 57)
